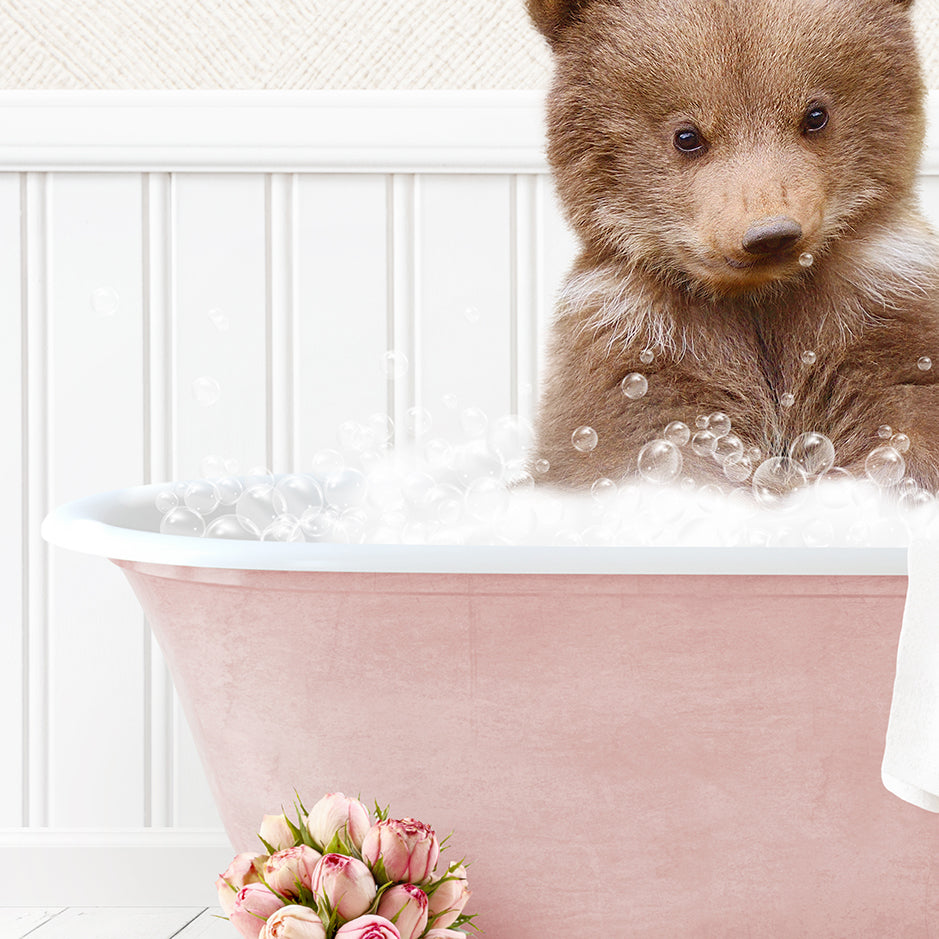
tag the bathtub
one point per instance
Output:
(628, 742)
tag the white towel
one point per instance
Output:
(911, 757)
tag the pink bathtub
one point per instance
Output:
(626, 742)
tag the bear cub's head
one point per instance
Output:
(712, 143)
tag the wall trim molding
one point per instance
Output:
(288, 131)
(111, 867)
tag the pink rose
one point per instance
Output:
(335, 814)
(254, 903)
(407, 848)
(283, 869)
(444, 934)
(294, 922)
(276, 832)
(369, 927)
(406, 906)
(447, 899)
(345, 883)
(242, 870)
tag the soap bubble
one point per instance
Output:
(105, 301)
(659, 462)
(353, 436)
(885, 431)
(729, 448)
(417, 487)
(419, 421)
(584, 439)
(284, 528)
(202, 497)
(301, 493)
(646, 356)
(206, 391)
(259, 505)
(446, 503)
(701, 421)
(229, 488)
(219, 320)
(704, 443)
(678, 433)
(737, 468)
(212, 466)
(924, 364)
(473, 422)
(394, 364)
(885, 466)
(345, 488)
(438, 452)
(634, 385)
(775, 479)
(755, 455)
(182, 521)
(510, 436)
(165, 500)
(231, 528)
(806, 259)
(814, 452)
(787, 400)
(381, 428)
(326, 462)
(542, 466)
(474, 459)
(486, 499)
(718, 424)
(603, 488)
(900, 443)
(809, 357)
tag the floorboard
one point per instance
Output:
(112, 923)
(16, 923)
(208, 926)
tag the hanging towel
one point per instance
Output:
(911, 757)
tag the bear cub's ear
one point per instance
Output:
(552, 16)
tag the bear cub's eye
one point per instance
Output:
(815, 119)
(689, 140)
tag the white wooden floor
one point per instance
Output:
(114, 923)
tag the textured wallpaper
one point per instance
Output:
(289, 44)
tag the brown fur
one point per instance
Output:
(662, 264)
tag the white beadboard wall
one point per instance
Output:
(277, 245)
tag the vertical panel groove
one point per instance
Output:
(157, 369)
(527, 278)
(280, 298)
(24, 503)
(38, 561)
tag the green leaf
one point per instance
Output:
(269, 847)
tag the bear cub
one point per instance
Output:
(741, 176)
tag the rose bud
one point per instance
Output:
(335, 814)
(406, 906)
(242, 870)
(254, 903)
(369, 927)
(294, 922)
(276, 832)
(444, 934)
(345, 883)
(283, 869)
(407, 848)
(447, 899)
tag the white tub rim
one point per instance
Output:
(105, 525)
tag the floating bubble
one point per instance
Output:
(660, 462)
(284, 528)
(634, 385)
(486, 499)
(885, 431)
(394, 364)
(701, 421)
(345, 488)
(232, 528)
(182, 521)
(678, 433)
(646, 356)
(510, 437)
(438, 452)
(381, 427)
(259, 475)
(584, 439)
(755, 455)
(471, 314)
(202, 497)
(326, 462)
(603, 488)
(206, 391)
(301, 494)
(417, 487)
(105, 301)
(704, 443)
(354, 436)
(729, 448)
(787, 400)
(814, 452)
(212, 466)
(541, 466)
(165, 500)
(219, 320)
(900, 443)
(885, 466)
(419, 422)
(473, 421)
(718, 423)
(474, 460)
(924, 364)
(446, 503)
(259, 505)
(737, 468)
(321, 527)
(776, 479)
(806, 259)
(809, 357)
(229, 488)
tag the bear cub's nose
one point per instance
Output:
(771, 235)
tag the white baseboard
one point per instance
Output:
(129, 867)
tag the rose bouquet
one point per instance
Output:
(339, 872)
